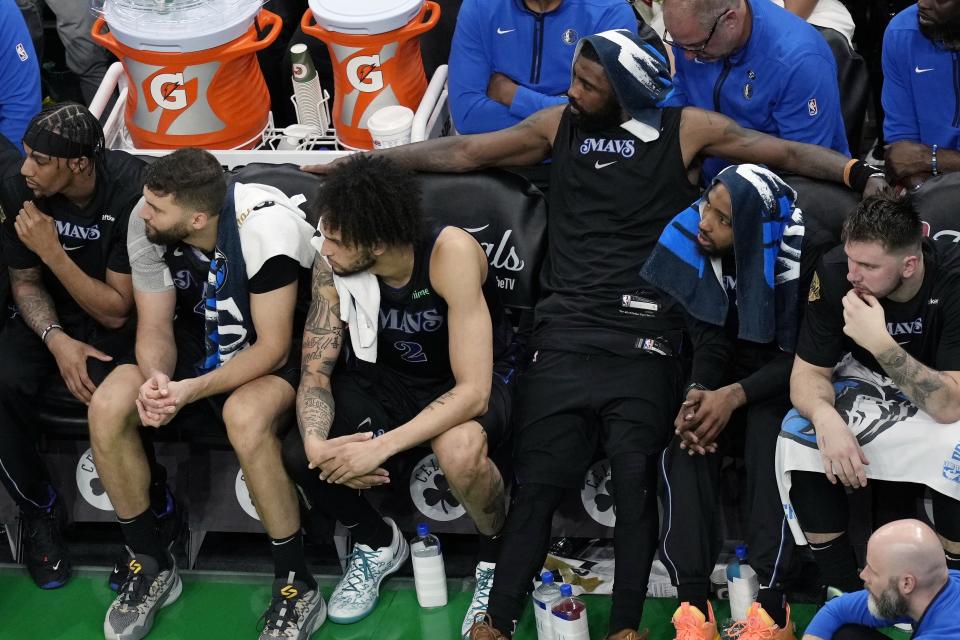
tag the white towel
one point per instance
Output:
(902, 442)
(359, 306)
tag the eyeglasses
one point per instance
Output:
(703, 45)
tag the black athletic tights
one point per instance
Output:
(526, 539)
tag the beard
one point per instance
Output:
(608, 117)
(946, 33)
(890, 605)
(362, 263)
(171, 236)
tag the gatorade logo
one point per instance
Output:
(289, 592)
(166, 89)
(364, 73)
(135, 566)
(89, 485)
(299, 71)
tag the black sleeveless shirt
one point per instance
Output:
(413, 337)
(611, 195)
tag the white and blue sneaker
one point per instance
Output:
(481, 596)
(357, 593)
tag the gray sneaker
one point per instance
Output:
(295, 611)
(357, 593)
(145, 591)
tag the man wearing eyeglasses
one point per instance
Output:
(757, 64)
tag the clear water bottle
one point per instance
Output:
(569, 619)
(429, 576)
(742, 584)
(544, 598)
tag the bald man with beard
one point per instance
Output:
(906, 580)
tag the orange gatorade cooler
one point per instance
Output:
(375, 49)
(192, 70)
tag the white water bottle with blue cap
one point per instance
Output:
(742, 584)
(429, 576)
(543, 598)
(569, 617)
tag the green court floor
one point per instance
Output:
(215, 606)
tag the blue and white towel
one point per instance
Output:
(902, 443)
(768, 235)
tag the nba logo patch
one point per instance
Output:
(812, 107)
(22, 52)
(570, 36)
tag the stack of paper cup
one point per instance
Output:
(306, 89)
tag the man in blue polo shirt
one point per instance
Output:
(905, 580)
(19, 75)
(511, 58)
(921, 92)
(758, 64)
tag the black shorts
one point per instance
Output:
(374, 398)
(567, 402)
(208, 412)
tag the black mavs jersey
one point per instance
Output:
(611, 196)
(93, 236)
(188, 267)
(413, 338)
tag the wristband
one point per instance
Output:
(693, 385)
(857, 172)
(51, 327)
(934, 169)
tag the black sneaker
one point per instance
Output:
(146, 590)
(295, 611)
(170, 526)
(44, 551)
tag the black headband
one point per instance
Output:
(54, 144)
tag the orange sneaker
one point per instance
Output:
(691, 624)
(760, 626)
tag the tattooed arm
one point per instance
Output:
(322, 335)
(936, 392)
(717, 135)
(32, 299)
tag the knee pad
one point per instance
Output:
(946, 516)
(634, 478)
(532, 502)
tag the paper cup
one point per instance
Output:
(390, 126)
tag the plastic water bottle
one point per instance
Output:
(429, 576)
(742, 584)
(569, 619)
(544, 598)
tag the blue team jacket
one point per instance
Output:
(921, 86)
(19, 74)
(940, 622)
(533, 50)
(782, 82)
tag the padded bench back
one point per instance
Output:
(503, 211)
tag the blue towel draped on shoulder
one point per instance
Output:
(226, 298)
(768, 235)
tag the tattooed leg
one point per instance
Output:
(473, 478)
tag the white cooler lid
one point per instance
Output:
(364, 16)
(177, 26)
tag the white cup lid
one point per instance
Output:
(390, 120)
(364, 16)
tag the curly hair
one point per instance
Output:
(371, 200)
(887, 219)
(193, 177)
